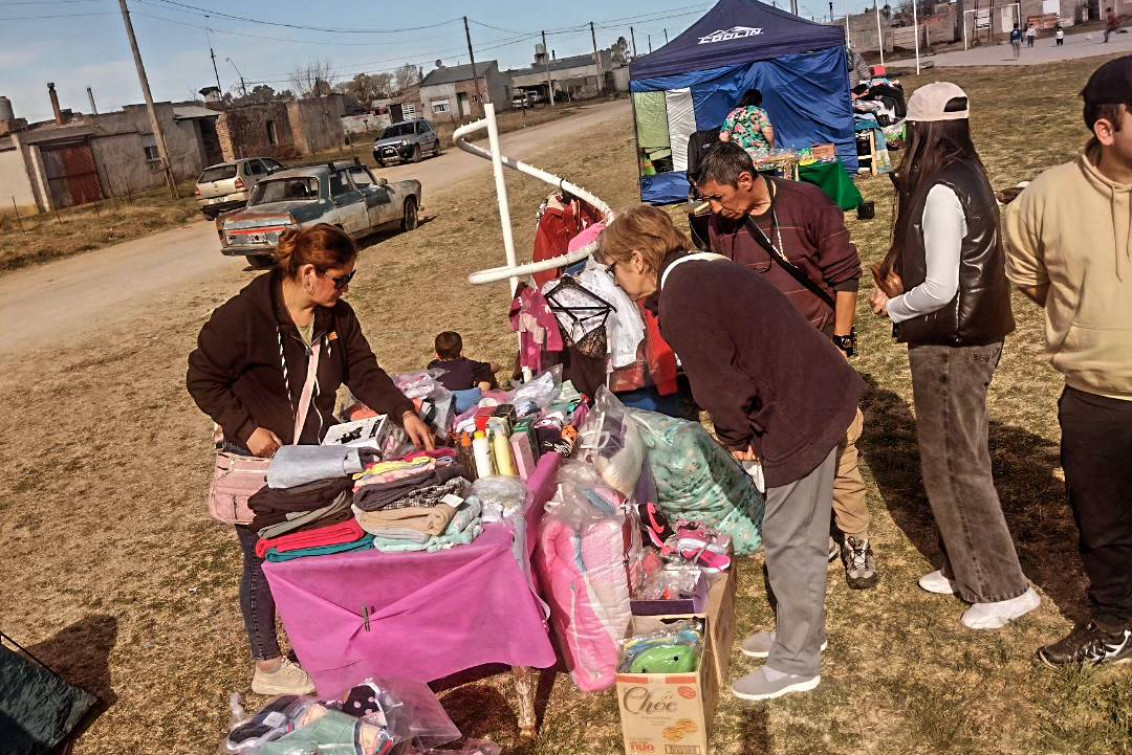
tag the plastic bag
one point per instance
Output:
(610, 441)
(672, 582)
(672, 650)
(696, 479)
(436, 404)
(372, 718)
(502, 497)
(470, 747)
(539, 393)
(584, 537)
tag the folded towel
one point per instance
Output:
(296, 465)
(332, 534)
(364, 544)
(432, 520)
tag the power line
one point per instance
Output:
(46, 2)
(328, 30)
(57, 15)
(247, 35)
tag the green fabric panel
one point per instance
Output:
(834, 181)
(38, 709)
(651, 112)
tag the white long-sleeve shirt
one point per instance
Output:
(944, 225)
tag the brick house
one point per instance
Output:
(282, 129)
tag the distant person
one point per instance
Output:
(461, 373)
(943, 285)
(1016, 41)
(1059, 35)
(1069, 247)
(1111, 23)
(1031, 35)
(749, 126)
(859, 71)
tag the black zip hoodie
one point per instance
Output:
(250, 353)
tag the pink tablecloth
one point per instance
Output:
(430, 614)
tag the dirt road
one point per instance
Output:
(61, 301)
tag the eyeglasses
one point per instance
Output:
(341, 283)
(612, 269)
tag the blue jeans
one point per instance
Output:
(256, 603)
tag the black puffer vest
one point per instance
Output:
(980, 312)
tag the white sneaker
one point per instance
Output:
(937, 583)
(1000, 613)
(288, 679)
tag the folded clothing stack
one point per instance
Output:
(328, 538)
(417, 489)
(465, 526)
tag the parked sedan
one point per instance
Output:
(406, 141)
(226, 186)
(343, 194)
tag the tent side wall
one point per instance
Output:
(806, 95)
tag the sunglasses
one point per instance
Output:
(611, 269)
(341, 283)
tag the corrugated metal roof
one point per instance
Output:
(453, 74)
(562, 64)
(188, 112)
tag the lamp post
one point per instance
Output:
(243, 86)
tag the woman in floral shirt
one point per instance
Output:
(749, 126)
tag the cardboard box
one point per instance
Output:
(665, 714)
(719, 615)
(694, 605)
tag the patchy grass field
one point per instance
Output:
(113, 572)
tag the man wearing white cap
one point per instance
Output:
(943, 284)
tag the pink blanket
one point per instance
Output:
(417, 616)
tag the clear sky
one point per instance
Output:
(81, 43)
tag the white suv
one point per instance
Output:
(227, 186)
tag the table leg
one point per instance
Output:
(526, 686)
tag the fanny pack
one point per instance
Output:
(237, 477)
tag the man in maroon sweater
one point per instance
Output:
(795, 238)
(777, 391)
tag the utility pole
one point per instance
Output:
(666, 35)
(546, 62)
(475, 73)
(212, 54)
(597, 61)
(650, 44)
(794, 7)
(158, 134)
(880, 32)
(90, 96)
(633, 38)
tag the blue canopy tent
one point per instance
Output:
(693, 82)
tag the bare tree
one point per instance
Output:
(366, 88)
(313, 79)
(406, 76)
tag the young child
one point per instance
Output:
(461, 373)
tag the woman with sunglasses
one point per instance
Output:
(247, 373)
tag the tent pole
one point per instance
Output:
(880, 32)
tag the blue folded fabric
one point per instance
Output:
(298, 465)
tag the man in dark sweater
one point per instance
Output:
(778, 392)
(795, 238)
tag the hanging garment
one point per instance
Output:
(625, 330)
(655, 365)
(560, 218)
(582, 315)
(536, 325)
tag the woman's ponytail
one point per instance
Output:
(324, 246)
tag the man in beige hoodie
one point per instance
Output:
(1069, 249)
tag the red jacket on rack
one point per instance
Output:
(559, 221)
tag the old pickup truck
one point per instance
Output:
(343, 194)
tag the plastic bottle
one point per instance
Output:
(481, 449)
(501, 448)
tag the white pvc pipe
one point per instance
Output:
(501, 190)
(511, 270)
(916, 31)
(880, 34)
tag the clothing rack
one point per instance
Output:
(512, 270)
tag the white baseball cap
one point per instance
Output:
(939, 101)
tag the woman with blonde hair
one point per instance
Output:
(778, 391)
(247, 373)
